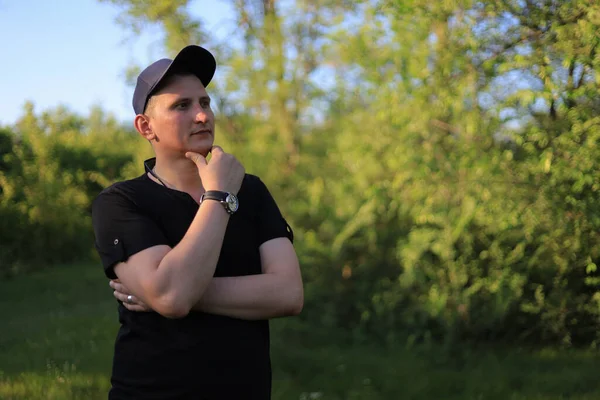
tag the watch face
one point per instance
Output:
(232, 202)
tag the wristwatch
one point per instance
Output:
(228, 200)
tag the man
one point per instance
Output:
(200, 244)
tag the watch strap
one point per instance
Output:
(215, 195)
(222, 198)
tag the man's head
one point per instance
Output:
(172, 106)
(193, 60)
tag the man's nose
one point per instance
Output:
(201, 115)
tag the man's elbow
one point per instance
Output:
(297, 308)
(296, 303)
(174, 313)
(171, 307)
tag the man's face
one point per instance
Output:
(181, 118)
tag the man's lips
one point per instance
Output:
(202, 131)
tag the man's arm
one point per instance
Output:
(171, 281)
(277, 292)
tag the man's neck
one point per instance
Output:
(179, 174)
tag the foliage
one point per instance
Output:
(438, 162)
(57, 163)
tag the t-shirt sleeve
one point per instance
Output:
(121, 230)
(271, 223)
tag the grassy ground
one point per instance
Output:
(57, 330)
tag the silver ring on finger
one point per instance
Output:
(130, 299)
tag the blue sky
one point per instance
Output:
(73, 53)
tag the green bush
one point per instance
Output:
(443, 187)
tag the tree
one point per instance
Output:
(424, 153)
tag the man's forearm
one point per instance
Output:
(252, 297)
(180, 278)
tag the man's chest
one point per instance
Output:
(239, 253)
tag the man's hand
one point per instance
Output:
(122, 293)
(224, 172)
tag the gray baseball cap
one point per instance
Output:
(191, 59)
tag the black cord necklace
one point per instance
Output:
(156, 176)
(150, 169)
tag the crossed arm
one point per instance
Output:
(277, 292)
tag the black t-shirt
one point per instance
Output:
(201, 356)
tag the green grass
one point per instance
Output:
(58, 326)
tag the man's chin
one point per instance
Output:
(202, 150)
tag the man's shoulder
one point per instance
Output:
(251, 180)
(252, 186)
(126, 188)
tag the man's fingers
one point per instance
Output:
(135, 307)
(196, 158)
(123, 297)
(119, 288)
(216, 150)
(121, 293)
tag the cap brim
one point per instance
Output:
(191, 59)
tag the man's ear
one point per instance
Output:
(142, 125)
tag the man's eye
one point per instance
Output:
(205, 104)
(181, 105)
